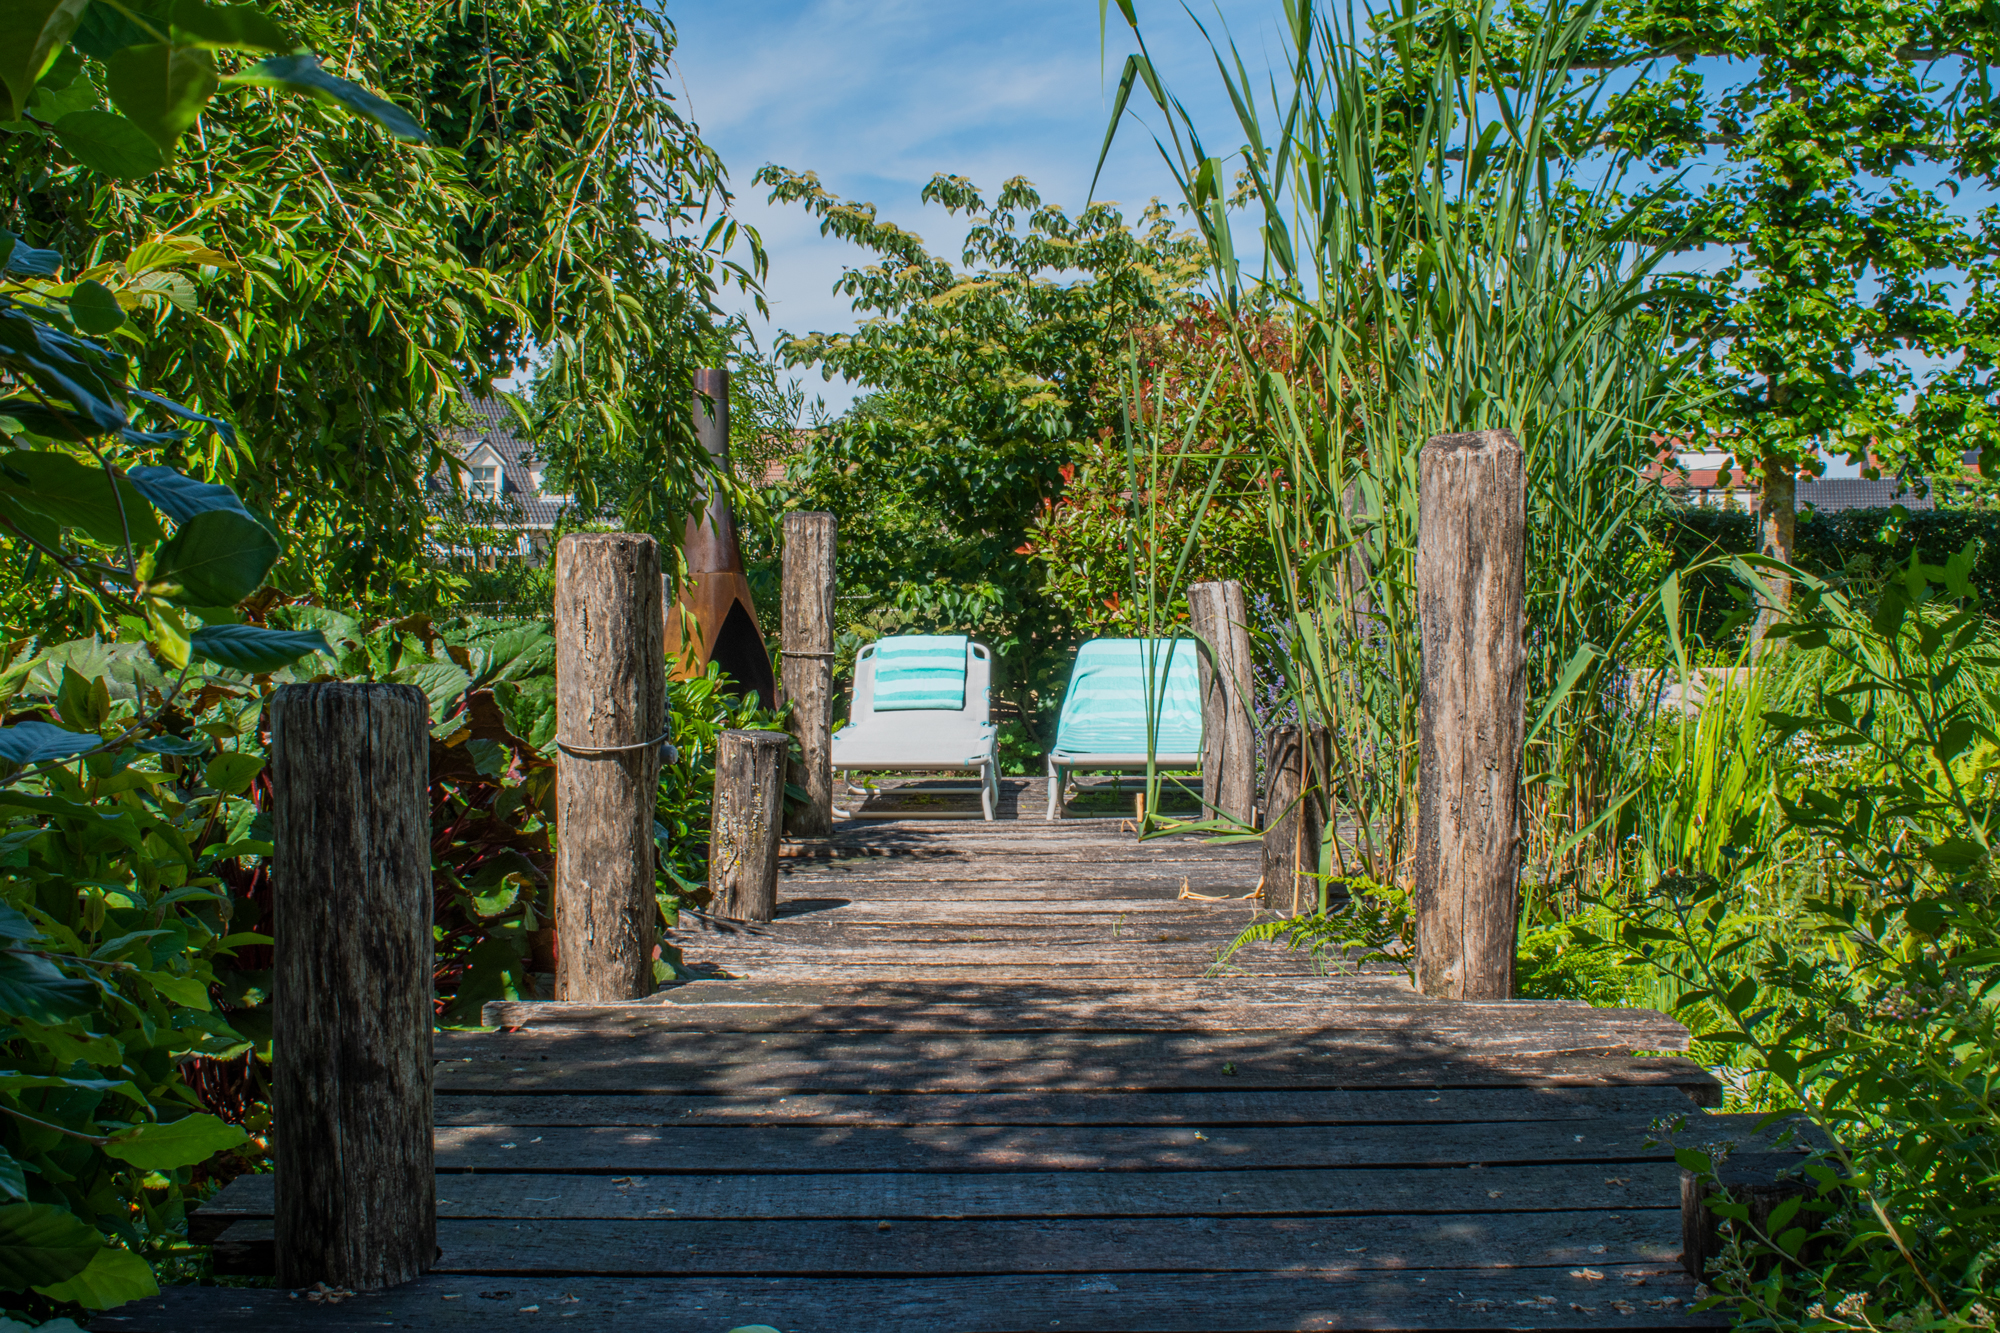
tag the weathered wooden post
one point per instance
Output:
(1295, 806)
(1228, 740)
(808, 665)
(611, 718)
(744, 824)
(1471, 590)
(351, 1076)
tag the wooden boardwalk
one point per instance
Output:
(977, 1077)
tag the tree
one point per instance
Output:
(985, 382)
(563, 213)
(1842, 274)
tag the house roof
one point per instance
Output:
(494, 426)
(1828, 496)
(1824, 495)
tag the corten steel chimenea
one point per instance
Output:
(715, 618)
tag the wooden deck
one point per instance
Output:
(976, 1077)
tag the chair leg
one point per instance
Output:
(989, 783)
(1055, 792)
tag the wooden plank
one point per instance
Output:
(750, 949)
(849, 1249)
(1160, 890)
(721, 1150)
(1026, 973)
(1061, 910)
(609, 1072)
(1523, 1026)
(859, 935)
(1344, 987)
(1559, 1298)
(1321, 1050)
(1308, 1192)
(1311, 1106)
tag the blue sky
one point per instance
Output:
(879, 95)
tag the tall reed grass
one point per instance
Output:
(1448, 250)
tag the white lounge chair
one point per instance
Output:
(923, 704)
(1111, 719)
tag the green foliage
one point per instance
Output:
(1842, 951)
(1826, 261)
(1438, 261)
(338, 294)
(1123, 510)
(987, 385)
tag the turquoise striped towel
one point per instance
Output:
(914, 671)
(1105, 709)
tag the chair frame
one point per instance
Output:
(976, 716)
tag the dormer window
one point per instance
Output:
(485, 480)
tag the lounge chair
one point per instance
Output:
(1109, 721)
(922, 704)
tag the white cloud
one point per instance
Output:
(877, 97)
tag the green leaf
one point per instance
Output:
(34, 742)
(78, 495)
(32, 33)
(187, 992)
(109, 144)
(254, 650)
(106, 30)
(20, 257)
(232, 772)
(114, 1276)
(31, 987)
(162, 87)
(185, 1142)
(40, 1242)
(217, 558)
(180, 497)
(94, 308)
(13, 1178)
(89, 377)
(302, 74)
(230, 27)
(441, 683)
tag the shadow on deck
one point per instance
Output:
(984, 1077)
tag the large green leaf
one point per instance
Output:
(40, 1242)
(17, 256)
(162, 87)
(179, 497)
(218, 558)
(32, 32)
(109, 144)
(33, 742)
(13, 1180)
(185, 1142)
(31, 987)
(441, 682)
(233, 771)
(113, 1277)
(252, 649)
(95, 309)
(302, 74)
(90, 378)
(78, 495)
(230, 27)
(32, 523)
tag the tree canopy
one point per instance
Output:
(558, 212)
(985, 380)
